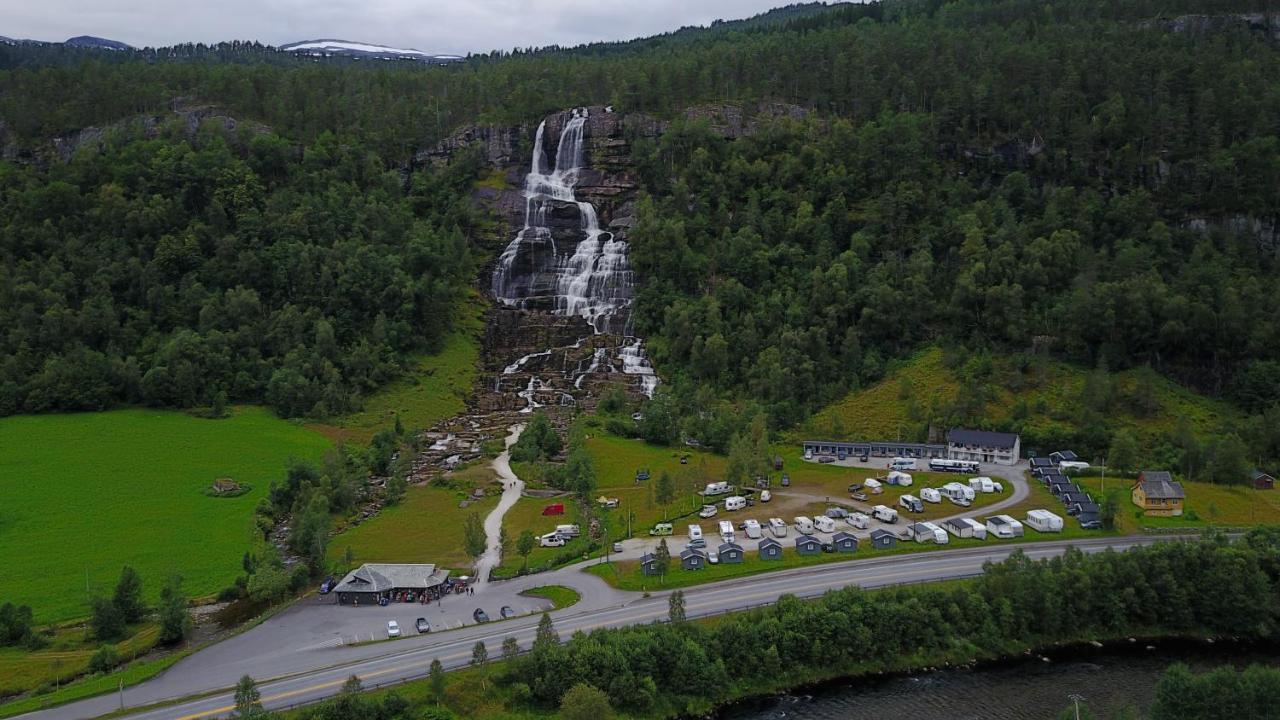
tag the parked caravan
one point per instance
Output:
(1004, 527)
(958, 493)
(824, 524)
(804, 525)
(695, 532)
(927, 532)
(726, 531)
(900, 479)
(752, 529)
(777, 527)
(982, 484)
(1069, 466)
(901, 463)
(717, 488)
(884, 513)
(911, 503)
(859, 520)
(930, 495)
(873, 487)
(1044, 521)
(965, 528)
(737, 502)
(568, 531)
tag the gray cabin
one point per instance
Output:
(770, 549)
(730, 552)
(808, 545)
(845, 542)
(883, 539)
(649, 564)
(693, 559)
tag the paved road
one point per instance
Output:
(315, 674)
(512, 486)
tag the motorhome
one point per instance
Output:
(695, 532)
(726, 531)
(717, 488)
(752, 529)
(900, 479)
(737, 502)
(911, 503)
(957, 466)
(1044, 521)
(901, 463)
(884, 514)
(662, 529)
(804, 525)
(873, 487)
(568, 531)
(824, 524)
(982, 484)
(707, 511)
(859, 520)
(930, 495)
(777, 527)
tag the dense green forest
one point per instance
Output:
(192, 270)
(998, 174)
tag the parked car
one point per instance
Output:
(480, 616)
(327, 586)
(713, 557)
(393, 629)
(617, 547)
(696, 543)
(765, 496)
(423, 626)
(707, 511)
(786, 480)
(826, 459)
(507, 611)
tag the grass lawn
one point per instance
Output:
(83, 494)
(66, 656)
(434, 388)
(559, 595)
(1206, 504)
(426, 527)
(130, 675)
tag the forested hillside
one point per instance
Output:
(1084, 180)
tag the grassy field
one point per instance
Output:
(82, 494)
(559, 595)
(435, 387)
(426, 527)
(1206, 504)
(65, 657)
(1049, 394)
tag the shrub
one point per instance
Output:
(104, 660)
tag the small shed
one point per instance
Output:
(808, 545)
(1040, 462)
(965, 528)
(1262, 481)
(693, 559)
(845, 542)
(1072, 498)
(649, 564)
(770, 549)
(883, 539)
(730, 552)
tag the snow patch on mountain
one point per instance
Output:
(368, 50)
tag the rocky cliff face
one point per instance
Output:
(1266, 23)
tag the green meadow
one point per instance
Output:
(83, 494)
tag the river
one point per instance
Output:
(1108, 679)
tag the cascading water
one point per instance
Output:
(561, 261)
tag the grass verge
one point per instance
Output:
(559, 595)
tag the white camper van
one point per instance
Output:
(551, 539)
(884, 513)
(911, 503)
(901, 463)
(900, 479)
(568, 531)
(931, 495)
(1044, 521)
(695, 532)
(752, 529)
(737, 502)
(859, 520)
(824, 524)
(804, 525)
(777, 527)
(726, 531)
(718, 488)
(873, 486)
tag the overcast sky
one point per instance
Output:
(454, 27)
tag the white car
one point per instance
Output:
(393, 629)
(551, 540)
(765, 496)
(707, 511)
(713, 557)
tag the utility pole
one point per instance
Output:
(122, 694)
(1076, 698)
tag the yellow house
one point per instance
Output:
(1157, 494)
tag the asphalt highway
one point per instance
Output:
(392, 662)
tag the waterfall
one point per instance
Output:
(561, 261)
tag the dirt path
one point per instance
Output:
(512, 486)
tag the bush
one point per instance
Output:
(104, 660)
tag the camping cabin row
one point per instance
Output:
(1075, 500)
